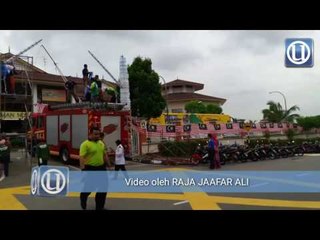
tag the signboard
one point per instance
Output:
(54, 95)
(13, 115)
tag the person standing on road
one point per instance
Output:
(42, 153)
(216, 152)
(120, 159)
(93, 157)
(5, 147)
(211, 151)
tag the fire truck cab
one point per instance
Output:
(64, 127)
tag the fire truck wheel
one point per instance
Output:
(64, 155)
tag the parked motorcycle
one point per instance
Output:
(200, 155)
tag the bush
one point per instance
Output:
(179, 149)
(17, 142)
(290, 133)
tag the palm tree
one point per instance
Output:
(276, 114)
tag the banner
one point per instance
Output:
(187, 128)
(217, 126)
(170, 128)
(54, 95)
(13, 115)
(151, 128)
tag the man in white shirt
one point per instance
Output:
(119, 159)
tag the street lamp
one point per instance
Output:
(284, 98)
(166, 95)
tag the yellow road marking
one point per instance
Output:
(267, 202)
(160, 196)
(201, 201)
(197, 201)
(8, 201)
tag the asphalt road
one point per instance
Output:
(15, 190)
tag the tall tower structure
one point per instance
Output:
(124, 84)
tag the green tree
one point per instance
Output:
(195, 107)
(215, 109)
(277, 114)
(199, 107)
(145, 89)
(309, 122)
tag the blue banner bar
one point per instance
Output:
(50, 181)
(196, 181)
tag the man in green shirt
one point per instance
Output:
(93, 157)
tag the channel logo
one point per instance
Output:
(299, 52)
(49, 181)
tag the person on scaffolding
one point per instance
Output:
(87, 93)
(99, 84)
(69, 85)
(11, 80)
(4, 74)
(85, 75)
(94, 89)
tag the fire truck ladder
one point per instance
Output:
(90, 105)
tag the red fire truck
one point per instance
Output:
(64, 127)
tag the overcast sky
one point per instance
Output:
(241, 66)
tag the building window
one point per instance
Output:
(177, 89)
(189, 88)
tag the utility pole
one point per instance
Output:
(114, 79)
(61, 74)
(22, 52)
(284, 98)
(166, 95)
